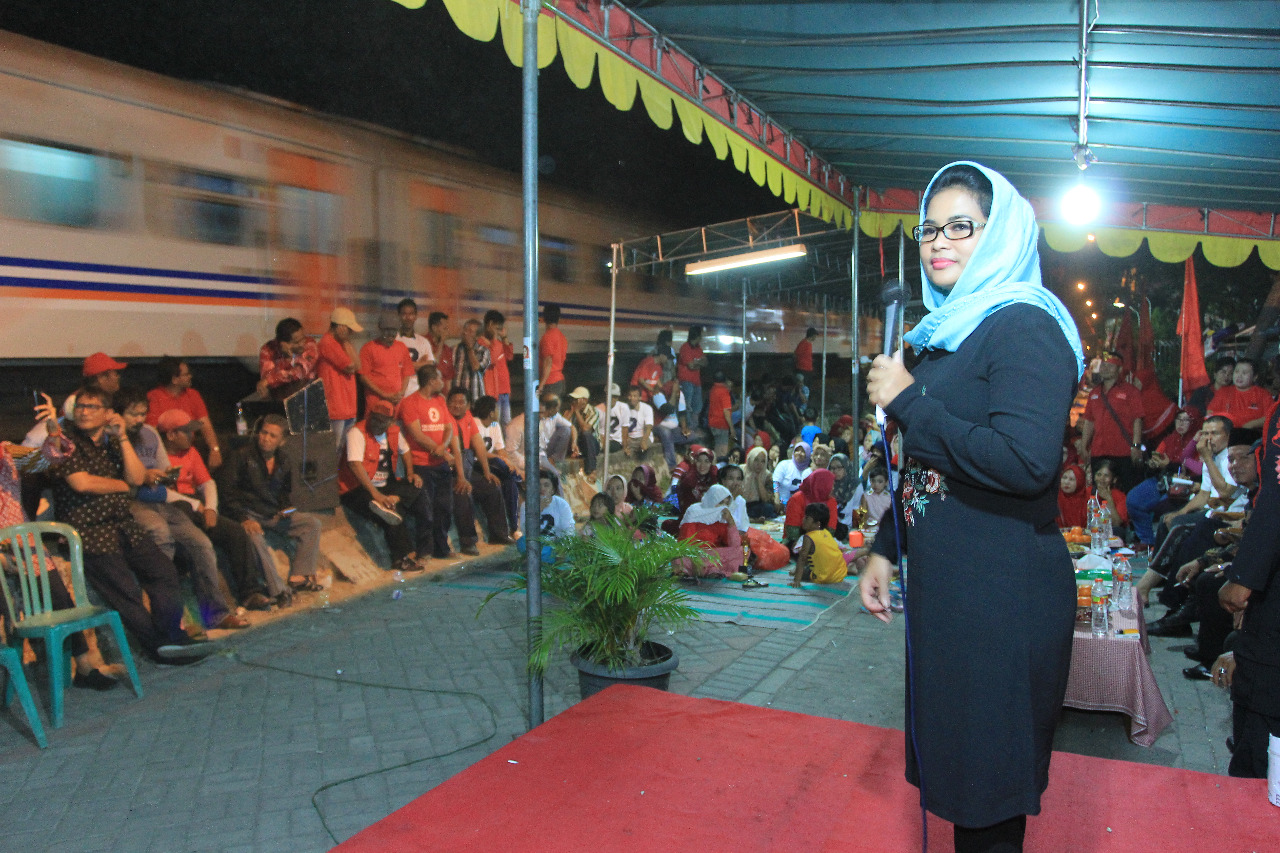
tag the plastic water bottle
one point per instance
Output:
(242, 426)
(1121, 584)
(1097, 539)
(1101, 622)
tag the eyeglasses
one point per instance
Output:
(88, 407)
(957, 229)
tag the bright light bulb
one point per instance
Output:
(1080, 205)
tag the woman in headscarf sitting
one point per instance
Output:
(710, 522)
(701, 476)
(791, 472)
(816, 488)
(643, 487)
(757, 486)
(1073, 497)
(847, 494)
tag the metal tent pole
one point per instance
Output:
(823, 405)
(855, 408)
(529, 168)
(742, 392)
(608, 383)
(902, 273)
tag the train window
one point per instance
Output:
(556, 258)
(496, 234)
(437, 239)
(205, 207)
(309, 220)
(41, 183)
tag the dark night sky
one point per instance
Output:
(411, 70)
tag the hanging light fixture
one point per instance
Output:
(1080, 204)
(747, 259)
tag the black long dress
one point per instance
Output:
(990, 587)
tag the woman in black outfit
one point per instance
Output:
(990, 588)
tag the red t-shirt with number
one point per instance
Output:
(432, 419)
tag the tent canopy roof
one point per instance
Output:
(1184, 96)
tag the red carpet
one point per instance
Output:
(635, 769)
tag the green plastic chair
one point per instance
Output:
(41, 622)
(11, 660)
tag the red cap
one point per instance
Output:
(381, 407)
(1115, 359)
(174, 419)
(100, 362)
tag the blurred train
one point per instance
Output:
(145, 216)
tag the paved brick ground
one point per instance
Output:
(310, 727)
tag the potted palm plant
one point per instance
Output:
(610, 591)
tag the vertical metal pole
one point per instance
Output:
(855, 407)
(902, 271)
(608, 383)
(823, 405)
(533, 553)
(742, 392)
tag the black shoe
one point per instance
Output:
(505, 540)
(1192, 651)
(257, 601)
(1199, 672)
(1170, 628)
(284, 599)
(185, 649)
(95, 679)
(470, 550)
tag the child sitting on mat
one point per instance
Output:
(602, 515)
(820, 559)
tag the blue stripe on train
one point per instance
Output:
(111, 287)
(76, 266)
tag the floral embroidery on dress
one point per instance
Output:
(918, 484)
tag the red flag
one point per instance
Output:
(1194, 374)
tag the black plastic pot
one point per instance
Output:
(593, 677)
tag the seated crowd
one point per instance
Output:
(1181, 497)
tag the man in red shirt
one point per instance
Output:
(337, 369)
(720, 413)
(248, 580)
(484, 485)
(1242, 401)
(553, 348)
(429, 429)
(648, 374)
(385, 364)
(689, 366)
(287, 359)
(804, 352)
(1111, 426)
(175, 392)
(497, 380)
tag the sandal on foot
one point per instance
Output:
(306, 585)
(752, 583)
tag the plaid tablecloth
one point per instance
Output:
(1112, 674)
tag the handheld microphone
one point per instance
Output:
(894, 295)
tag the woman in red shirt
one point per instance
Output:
(710, 523)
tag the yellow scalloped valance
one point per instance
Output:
(1171, 247)
(621, 79)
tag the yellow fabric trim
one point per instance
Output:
(657, 100)
(1269, 252)
(482, 20)
(475, 18)
(737, 147)
(617, 80)
(1170, 247)
(577, 51)
(690, 119)
(757, 165)
(1118, 242)
(774, 171)
(511, 21)
(1226, 251)
(718, 136)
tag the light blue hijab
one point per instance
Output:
(1003, 270)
